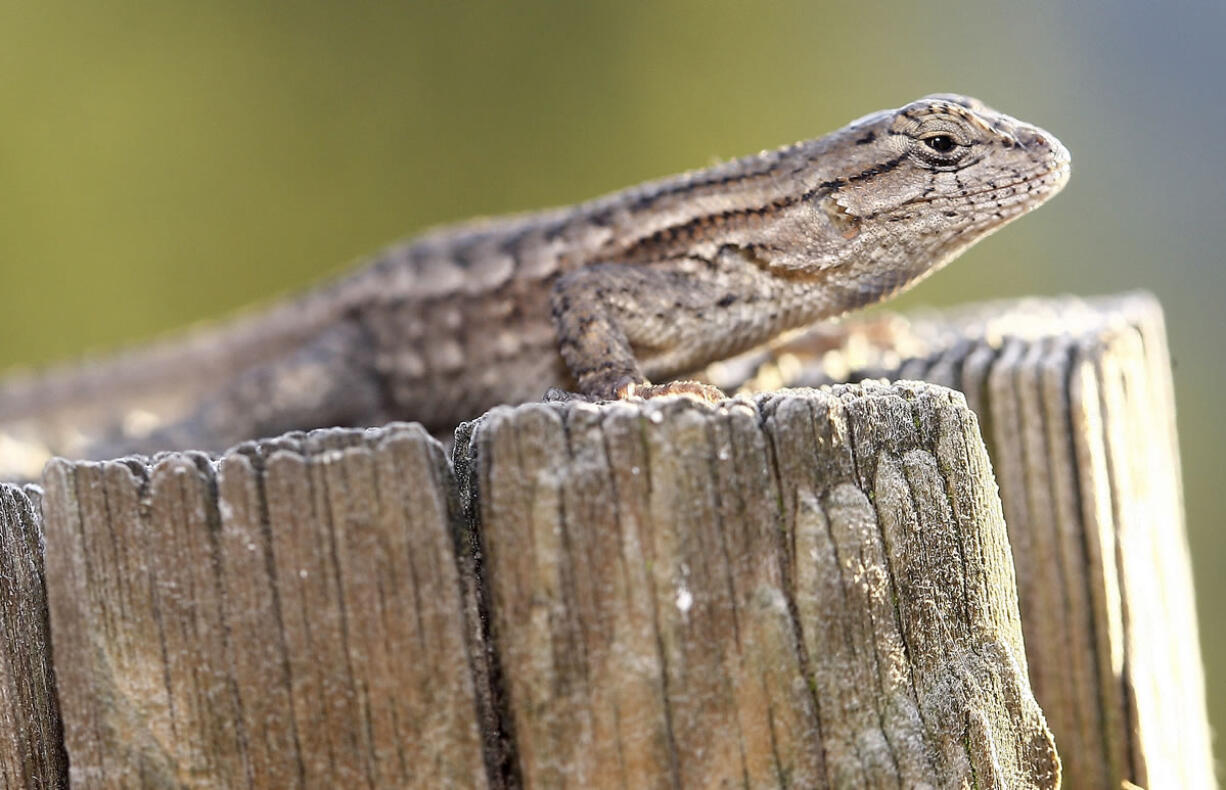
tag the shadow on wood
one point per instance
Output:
(31, 740)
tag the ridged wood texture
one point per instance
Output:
(811, 591)
(31, 743)
(1076, 403)
(291, 616)
(816, 592)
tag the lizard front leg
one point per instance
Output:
(618, 322)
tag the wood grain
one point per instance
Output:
(1076, 401)
(813, 591)
(31, 743)
(288, 617)
(803, 589)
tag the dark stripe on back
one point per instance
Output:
(691, 229)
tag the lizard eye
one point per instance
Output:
(941, 149)
(941, 143)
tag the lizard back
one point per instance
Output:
(647, 282)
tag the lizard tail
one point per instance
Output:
(164, 375)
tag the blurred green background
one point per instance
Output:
(161, 163)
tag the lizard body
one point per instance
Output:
(603, 297)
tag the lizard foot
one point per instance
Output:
(559, 395)
(690, 389)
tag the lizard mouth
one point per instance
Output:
(1062, 170)
(1043, 185)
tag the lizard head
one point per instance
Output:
(919, 184)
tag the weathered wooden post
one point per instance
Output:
(816, 590)
(809, 589)
(813, 592)
(31, 741)
(291, 616)
(1076, 403)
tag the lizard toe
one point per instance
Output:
(559, 395)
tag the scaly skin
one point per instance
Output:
(604, 297)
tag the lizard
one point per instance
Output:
(611, 298)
